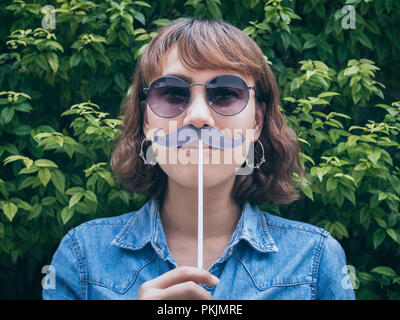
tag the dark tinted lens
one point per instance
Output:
(168, 96)
(227, 94)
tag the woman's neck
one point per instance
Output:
(179, 211)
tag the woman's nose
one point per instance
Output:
(198, 112)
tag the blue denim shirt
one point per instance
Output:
(268, 257)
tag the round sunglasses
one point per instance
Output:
(226, 94)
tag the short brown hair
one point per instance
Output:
(211, 44)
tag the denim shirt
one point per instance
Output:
(268, 257)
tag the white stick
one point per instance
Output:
(200, 207)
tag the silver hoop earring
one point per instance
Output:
(262, 160)
(153, 160)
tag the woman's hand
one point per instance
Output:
(178, 284)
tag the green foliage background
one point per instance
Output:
(61, 90)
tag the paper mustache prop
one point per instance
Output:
(188, 133)
(214, 138)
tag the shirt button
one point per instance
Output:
(158, 245)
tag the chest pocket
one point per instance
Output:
(265, 272)
(120, 273)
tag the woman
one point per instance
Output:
(202, 73)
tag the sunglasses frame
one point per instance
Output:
(147, 91)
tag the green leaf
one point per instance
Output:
(120, 80)
(365, 276)
(35, 212)
(311, 43)
(339, 198)
(23, 107)
(22, 130)
(124, 196)
(382, 196)
(213, 9)
(306, 157)
(307, 191)
(140, 17)
(341, 229)
(75, 199)
(350, 195)
(52, 59)
(10, 210)
(74, 60)
(90, 195)
(74, 190)
(386, 271)
(319, 172)
(7, 114)
(55, 45)
(352, 140)
(142, 3)
(161, 22)
(32, 169)
(363, 39)
(395, 183)
(142, 37)
(328, 94)
(66, 214)
(285, 39)
(44, 176)
(393, 234)
(378, 237)
(14, 255)
(26, 182)
(106, 175)
(361, 167)
(382, 223)
(331, 184)
(42, 62)
(45, 163)
(82, 207)
(124, 38)
(58, 179)
(49, 201)
(22, 204)
(374, 155)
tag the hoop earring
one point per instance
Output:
(153, 161)
(262, 160)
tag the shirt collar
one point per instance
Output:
(144, 226)
(141, 228)
(252, 227)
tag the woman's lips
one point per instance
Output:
(205, 147)
(189, 150)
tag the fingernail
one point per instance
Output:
(215, 279)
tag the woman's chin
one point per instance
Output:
(186, 175)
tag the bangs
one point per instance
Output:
(208, 44)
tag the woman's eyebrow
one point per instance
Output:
(186, 78)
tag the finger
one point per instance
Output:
(183, 274)
(188, 290)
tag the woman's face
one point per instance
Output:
(219, 165)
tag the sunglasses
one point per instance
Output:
(169, 96)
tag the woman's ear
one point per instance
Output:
(145, 119)
(259, 120)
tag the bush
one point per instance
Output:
(61, 90)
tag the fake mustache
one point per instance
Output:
(188, 133)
